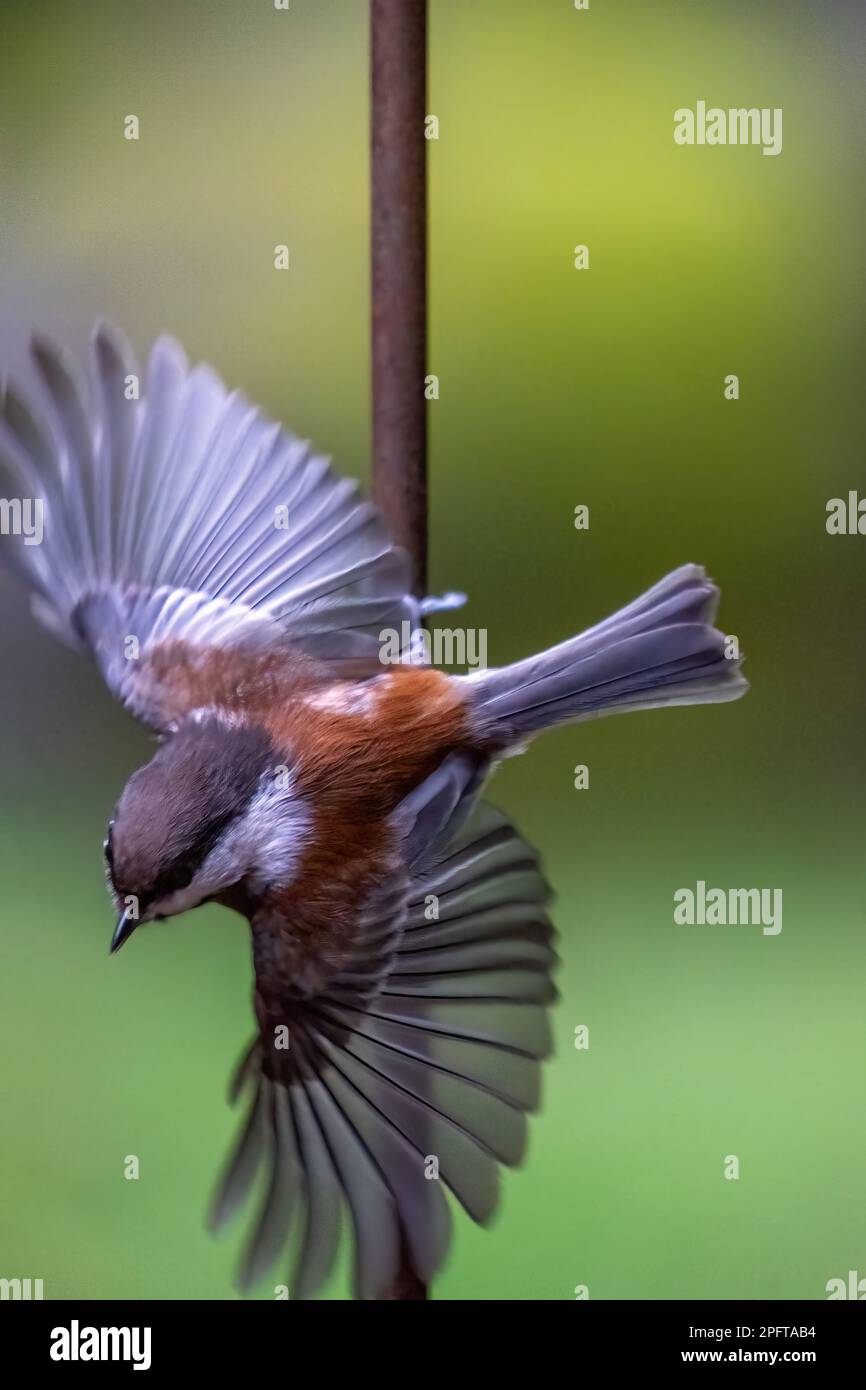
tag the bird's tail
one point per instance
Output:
(660, 650)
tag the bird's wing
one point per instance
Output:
(413, 1070)
(177, 512)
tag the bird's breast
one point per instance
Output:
(356, 750)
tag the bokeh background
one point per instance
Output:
(558, 387)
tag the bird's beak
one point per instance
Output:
(126, 925)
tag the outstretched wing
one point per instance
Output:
(179, 513)
(411, 1072)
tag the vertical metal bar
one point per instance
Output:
(398, 66)
(398, 37)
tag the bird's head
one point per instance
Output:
(213, 809)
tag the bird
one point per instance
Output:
(233, 593)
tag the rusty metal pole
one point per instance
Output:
(398, 40)
(398, 67)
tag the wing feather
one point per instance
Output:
(181, 510)
(414, 1069)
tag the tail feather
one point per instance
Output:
(660, 650)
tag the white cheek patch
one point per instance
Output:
(277, 828)
(184, 900)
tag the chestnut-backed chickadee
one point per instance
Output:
(233, 593)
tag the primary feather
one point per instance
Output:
(183, 512)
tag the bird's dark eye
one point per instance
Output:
(108, 847)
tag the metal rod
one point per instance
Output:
(398, 37)
(398, 67)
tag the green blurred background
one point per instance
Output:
(558, 387)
